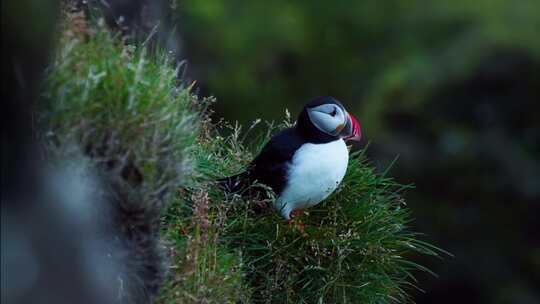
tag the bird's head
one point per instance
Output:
(325, 119)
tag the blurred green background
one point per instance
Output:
(451, 87)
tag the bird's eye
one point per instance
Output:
(333, 113)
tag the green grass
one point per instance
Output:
(354, 247)
(124, 104)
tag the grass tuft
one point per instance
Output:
(122, 103)
(352, 248)
(123, 109)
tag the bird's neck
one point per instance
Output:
(311, 133)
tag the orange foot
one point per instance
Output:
(295, 212)
(298, 224)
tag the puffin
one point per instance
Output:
(303, 164)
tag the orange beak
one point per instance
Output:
(352, 130)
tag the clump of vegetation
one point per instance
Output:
(351, 248)
(122, 108)
(123, 100)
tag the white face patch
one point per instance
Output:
(328, 118)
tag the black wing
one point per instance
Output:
(270, 166)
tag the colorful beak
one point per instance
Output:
(352, 130)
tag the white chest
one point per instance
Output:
(314, 173)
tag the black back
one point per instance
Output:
(270, 166)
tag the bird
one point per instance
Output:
(305, 163)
